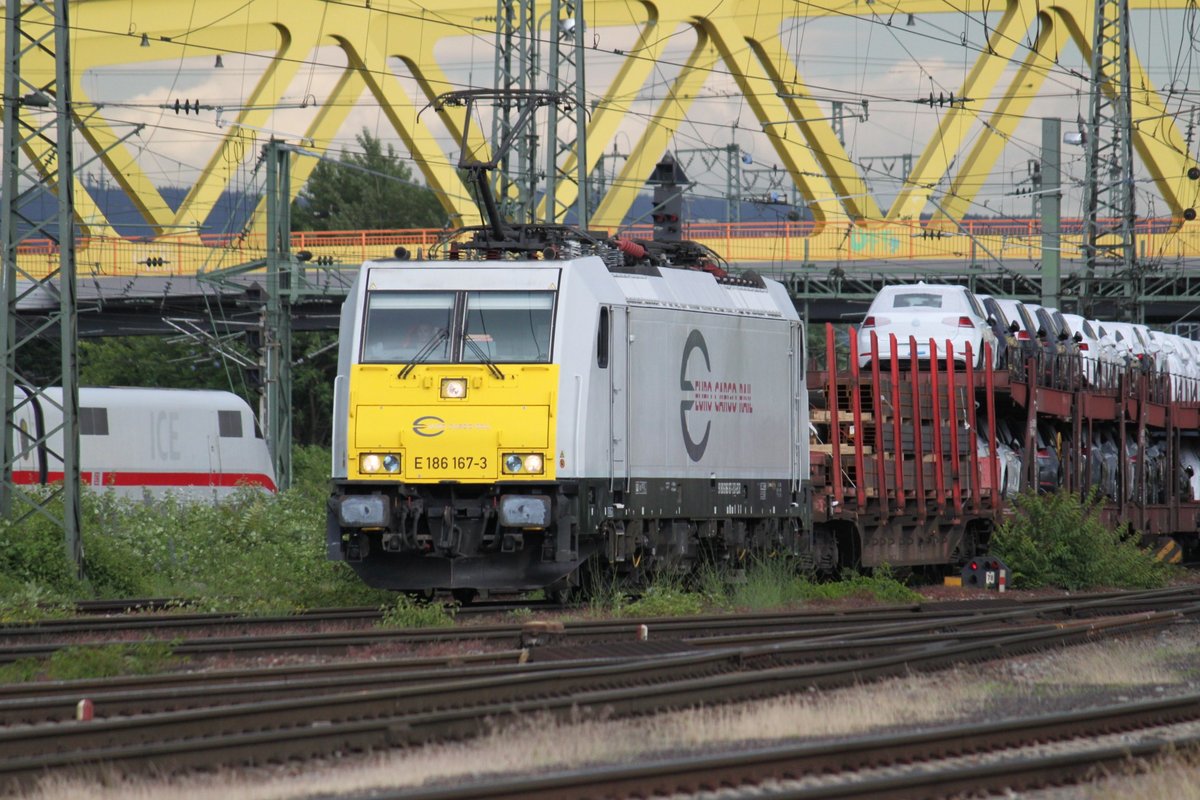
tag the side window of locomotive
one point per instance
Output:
(93, 421)
(400, 326)
(229, 424)
(508, 326)
(602, 340)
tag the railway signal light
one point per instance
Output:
(988, 572)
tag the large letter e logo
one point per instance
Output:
(695, 341)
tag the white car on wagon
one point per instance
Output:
(1097, 352)
(925, 312)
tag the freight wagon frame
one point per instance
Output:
(906, 469)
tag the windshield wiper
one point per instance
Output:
(482, 356)
(425, 352)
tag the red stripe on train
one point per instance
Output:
(228, 480)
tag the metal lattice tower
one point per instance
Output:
(1109, 247)
(516, 179)
(38, 158)
(518, 53)
(567, 159)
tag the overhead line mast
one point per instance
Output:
(1108, 246)
(38, 160)
(517, 74)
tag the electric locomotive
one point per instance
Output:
(517, 424)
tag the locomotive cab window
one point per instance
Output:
(402, 326)
(507, 326)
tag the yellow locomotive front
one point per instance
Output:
(453, 386)
(449, 430)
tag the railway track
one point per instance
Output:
(57, 702)
(427, 708)
(1011, 755)
(150, 613)
(192, 637)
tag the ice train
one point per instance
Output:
(137, 442)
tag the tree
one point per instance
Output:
(151, 361)
(156, 361)
(372, 189)
(314, 368)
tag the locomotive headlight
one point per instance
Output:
(454, 388)
(379, 462)
(523, 462)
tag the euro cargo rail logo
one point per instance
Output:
(430, 426)
(709, 395)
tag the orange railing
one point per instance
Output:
(781, 243)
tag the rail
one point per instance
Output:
(457, 706)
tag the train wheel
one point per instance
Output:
(422, 596)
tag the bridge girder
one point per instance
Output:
(741, 39)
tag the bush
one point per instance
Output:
(881, 587)
(252, 553)
(1059, 540)
(32, 552)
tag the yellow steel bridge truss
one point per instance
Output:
(740, 38)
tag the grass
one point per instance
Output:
(764, 585)
(84, 662)
(28, 602)
(664, 600)
(405, 612)
(775, 583)
(1175, 775)
(251, 553)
